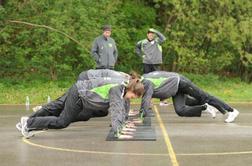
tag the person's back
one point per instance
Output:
(95, 91)
(159, 84)
(98, 73)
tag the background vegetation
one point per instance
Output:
(45, 44)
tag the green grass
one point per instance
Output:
(227, 89)
(38, 91)
(15, 92)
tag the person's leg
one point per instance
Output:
(54, 108)
(187, 87)
(191, 101)
(84, 115)
(99, 113)
(146, 68)
(102, 67)
(156, 67)
(73, 106)
(179, 102)
(111, 67)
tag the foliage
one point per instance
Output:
(207, 36)
(38, 44)
(52, 39)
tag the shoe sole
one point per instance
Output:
(29, 135)
(19, 126)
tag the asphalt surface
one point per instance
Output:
(180, 141)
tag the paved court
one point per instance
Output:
(180, 141)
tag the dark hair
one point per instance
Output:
(136, 87)
(106, 28)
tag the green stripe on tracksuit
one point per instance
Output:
(157, 81)
(103, 91)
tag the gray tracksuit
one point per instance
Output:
(98, 73)
(104, 52)
(151, 51)
(92, 95)
(105, 95)
(159, 84)
(54, 108)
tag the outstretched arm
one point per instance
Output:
(146, 99)
(116, 108)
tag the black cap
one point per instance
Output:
(106, 28)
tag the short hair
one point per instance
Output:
(106, 28)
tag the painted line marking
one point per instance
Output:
(137, 154)
(28, 141)
(167, 139)
(130, 154)
(91, 152)
(214, 154)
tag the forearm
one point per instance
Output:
(146, 99)
(116, 120)
(160, 36)
(145, 105)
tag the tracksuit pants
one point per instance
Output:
(147, 68)
(190, 100)
(72, 108)
(54, 108)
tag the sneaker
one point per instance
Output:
(35, 109)
(163, 103)
(24, 130)
(19, 126)
(211, 110)
(231, 116)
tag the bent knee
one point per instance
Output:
(180, 111)
(63, 124)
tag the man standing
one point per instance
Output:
(151, 50)
(104, 50)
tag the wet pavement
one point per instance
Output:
(193, 142)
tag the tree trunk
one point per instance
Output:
(53, 73)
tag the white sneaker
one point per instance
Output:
(24, 130)
(211, 110)
(19, 126)
(163, 103)
(35, 109)
(231, 116)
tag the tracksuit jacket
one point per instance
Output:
(105, 52)
(159, 84)
(105, 95)
(151, 51)
(98, 73)
(89, 95)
